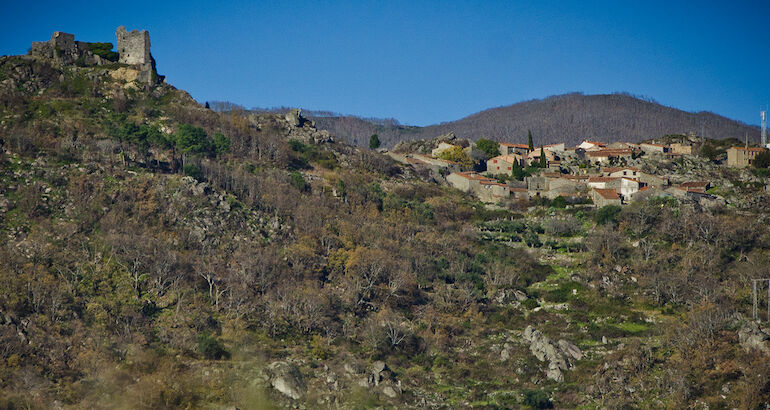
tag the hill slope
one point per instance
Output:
(569, 118)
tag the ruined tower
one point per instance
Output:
(134, 49)
(133, 46)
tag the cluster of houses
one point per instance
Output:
(603, 174)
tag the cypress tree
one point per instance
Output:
(543, 164)
(529, 137)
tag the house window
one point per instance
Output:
(509, 168)
(495, 161)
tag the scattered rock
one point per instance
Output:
(751, 336)
(287, 379)
(560, 356)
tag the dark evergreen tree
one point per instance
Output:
(529, 138)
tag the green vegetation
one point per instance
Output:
(458, 155)
(762, 160)
(374, 141)
(103, 50)
(490, 147)
(530, 144)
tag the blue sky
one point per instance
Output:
(429, 62)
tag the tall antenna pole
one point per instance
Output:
(763, 116)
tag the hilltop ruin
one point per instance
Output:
(133, 49)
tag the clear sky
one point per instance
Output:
(429, 62)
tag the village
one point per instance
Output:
(593, 172)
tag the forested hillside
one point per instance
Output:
(158, 254)
(568, 118)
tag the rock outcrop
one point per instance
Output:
(287, 379)
(751, 336)
(560, 356)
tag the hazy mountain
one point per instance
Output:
(569, 118)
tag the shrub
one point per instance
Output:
(299, 181)
(221, 143)
(537, 399)
(490, 147)
(192, 139)
(607, 214)
(211, 348)
(374, 141)
(103, 50)
(762, 160)
(456, 154)
(193, 171)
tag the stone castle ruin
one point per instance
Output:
(133, 46)
(133, 50)
(63, 49)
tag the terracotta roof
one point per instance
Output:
(753, 149)
(644, 188)
(609, 152)
(602, 179)
(616, 169)
(508, 144)
(607, 193)
(491, 182)
(581, 177)
(507, 158)
(472, 175)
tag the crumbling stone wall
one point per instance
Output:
(133, 46)
(63, 49)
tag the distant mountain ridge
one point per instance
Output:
(569, 118)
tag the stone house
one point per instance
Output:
(519, 193)
(741, 157)
(508, 148)
(592, 145)
(604, 197)
(629, 172)
(604, 182)
(436, 163)
(696, 186)
(503, 164)
(650, 148)
(552, 184)
(466, 181)
(534, 156)
(681, 148)
(492, 191)
(604, 156)
(646, 193)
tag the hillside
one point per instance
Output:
(158, 254)
(569, 118)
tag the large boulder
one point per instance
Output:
(751, 336)
(560, 356)
(287, 379)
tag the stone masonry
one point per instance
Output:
(63, 49)
(133, 46)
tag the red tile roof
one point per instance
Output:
(508, 144)
(610, 152)
(602, 179)
(607, 193)
(753, 149)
